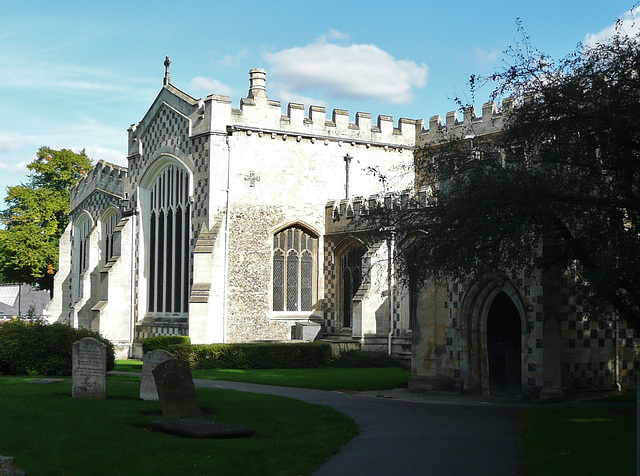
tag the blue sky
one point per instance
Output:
(77, 74)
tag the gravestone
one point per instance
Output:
(89, 370)
(150, 361)
(176, 390)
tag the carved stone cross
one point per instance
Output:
(252, 178)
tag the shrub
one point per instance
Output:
(36, 348)
(359, 359)
(163, 342)
(255, 356)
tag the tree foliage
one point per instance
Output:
(37, 214)
(563, 172)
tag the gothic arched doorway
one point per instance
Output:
(350, 280)
(504, 347)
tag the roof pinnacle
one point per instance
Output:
(167, 76)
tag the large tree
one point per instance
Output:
(37, 214)
(563, 171)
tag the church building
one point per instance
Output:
(216, 228)
(241, 224)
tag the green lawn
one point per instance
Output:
(325, 378)
(50, 433)
(589, 439)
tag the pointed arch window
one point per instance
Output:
(294, 270)
(110, 221)
(81, 235)
(169, 239)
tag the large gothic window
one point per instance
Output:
(294, 269)
(169, 237)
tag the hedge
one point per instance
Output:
(361, 359)
(255, 355)
(36, 348)
(163, 342)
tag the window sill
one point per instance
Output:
(292, 315)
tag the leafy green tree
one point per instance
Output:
(563, 174)
(37, 214)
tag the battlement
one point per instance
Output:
(257, 113)
(339, 214)
(105, 177)
(490, 122)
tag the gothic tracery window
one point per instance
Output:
(169, 237)
(294, 268)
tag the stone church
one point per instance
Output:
(233, 225)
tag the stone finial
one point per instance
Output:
(257, 88)
(167, 76)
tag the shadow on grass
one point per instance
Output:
(48, 432)
(588, 438)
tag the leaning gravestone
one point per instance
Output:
(179, 402)
(89, 369)
(176, 390)
(150, 361)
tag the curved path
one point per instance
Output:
(405, 434)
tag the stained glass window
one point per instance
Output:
(169, 238)
(294, 269)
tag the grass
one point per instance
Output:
(588, 439)
(325, 378)
(128, 365)
(48, 432)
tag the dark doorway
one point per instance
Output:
(504, 347)
(351, 278)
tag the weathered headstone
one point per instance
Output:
(150, 361)
(176, 390)
(89, 370)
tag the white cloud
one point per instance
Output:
(361, 71)
(628, 24)
(31, 73)
(97, 152)
(486, 58)
(286, 97)
(334, 35)
(234, 60)
(9, 143)
(209, 86)
(7, 166)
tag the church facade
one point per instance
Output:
(216, 228)
(240, 224)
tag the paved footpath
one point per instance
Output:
(412, 435)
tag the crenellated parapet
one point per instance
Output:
(470, 126)
(257, 113)
(341, 214)
(104, 177)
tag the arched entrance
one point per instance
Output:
(504, 347)
(350, 280)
